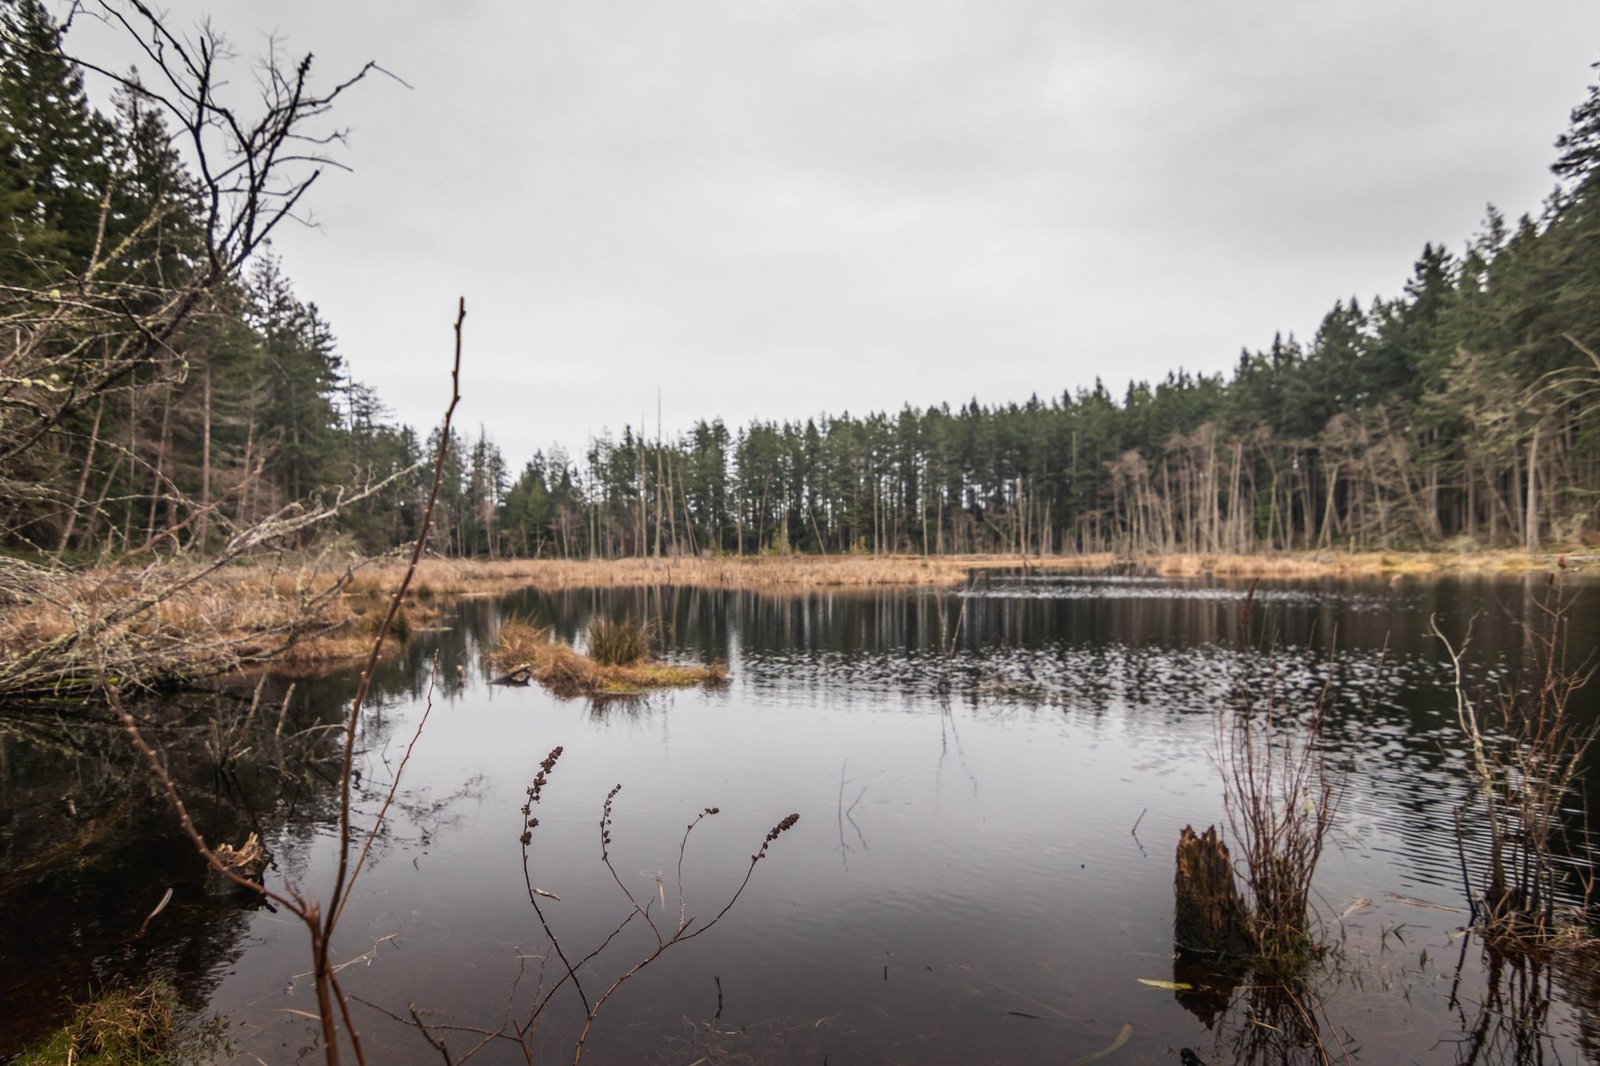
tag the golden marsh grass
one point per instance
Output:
(526, 651)
(317, 611)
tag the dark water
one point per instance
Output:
(990, 785)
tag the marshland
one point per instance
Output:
(1238, 715)
(991, 780)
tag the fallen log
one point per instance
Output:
(519, 676)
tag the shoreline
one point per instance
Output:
(289, 615)
(451, 577)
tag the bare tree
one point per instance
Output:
(321, 920)
(108, 333)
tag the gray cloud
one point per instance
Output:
(774, 209)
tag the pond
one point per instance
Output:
(990, 785)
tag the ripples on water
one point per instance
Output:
(990, 783)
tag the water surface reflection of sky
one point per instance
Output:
(990, 785)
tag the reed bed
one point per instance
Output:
(173, 621)
(313, 610)
(793, 572)
(775, 573)
(525, 652)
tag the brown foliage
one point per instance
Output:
(524, 652)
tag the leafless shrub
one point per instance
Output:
(1526, 751)
(77, 342)
(320, 920)
(103, 330)
(1281, 798)
(520, 1027)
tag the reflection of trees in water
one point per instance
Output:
(1259, 1019)
(1094, 646)
(88, 846)
(1508, 1021)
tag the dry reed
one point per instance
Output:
(525, 652)
(1347, 564)
(618, 643)
(520, 1025)
(774, 573)
(307, 611)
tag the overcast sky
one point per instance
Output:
(778, 209)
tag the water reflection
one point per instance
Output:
(88, 845)
(963, 886)
(1507, 1018)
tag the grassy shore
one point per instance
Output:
(140, 1025)
(1364, 564)
(318, 612)
(799, 572)
(788, 573)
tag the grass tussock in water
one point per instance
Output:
(618, 643)
(140, 1026)
(525, 652)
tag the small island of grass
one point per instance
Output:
(620, 661)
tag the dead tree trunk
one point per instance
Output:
(1210, 916)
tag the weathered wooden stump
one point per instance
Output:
(1210, 916)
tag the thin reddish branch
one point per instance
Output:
(353, 720)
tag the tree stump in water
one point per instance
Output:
(1210, 916)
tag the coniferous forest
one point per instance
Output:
(161, 385)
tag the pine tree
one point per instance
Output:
(54, 148)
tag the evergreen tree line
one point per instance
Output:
(148, 389)
(1463, 409)
(1467, 409)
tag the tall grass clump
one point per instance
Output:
(625, 643)
(138, 1026)
(519, 641)
(1526, 751)
(619, 662)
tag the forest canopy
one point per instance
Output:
(1465, 409)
